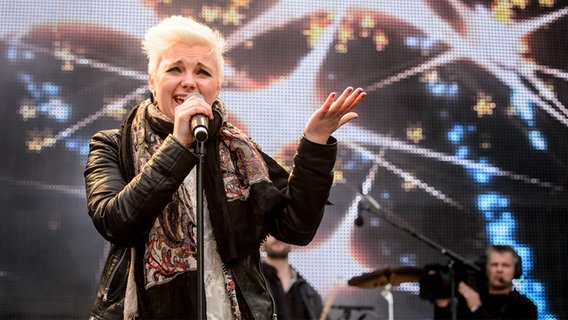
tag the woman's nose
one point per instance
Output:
(188, 81)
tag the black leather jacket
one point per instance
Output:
(123, 211)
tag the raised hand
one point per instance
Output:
(333, 114)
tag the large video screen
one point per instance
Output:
(460, 143)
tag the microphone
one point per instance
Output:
(506, 282)
(359, 220)
(199, 123)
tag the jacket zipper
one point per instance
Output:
(107, 286)
(274, 315)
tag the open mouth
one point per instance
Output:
(179, 99)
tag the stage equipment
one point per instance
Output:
(387, 215)
(381, 277)
(386, 278)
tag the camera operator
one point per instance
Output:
(496, 298)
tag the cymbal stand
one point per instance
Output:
(387, 294)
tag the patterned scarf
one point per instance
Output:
(238, 220)
(171, 246)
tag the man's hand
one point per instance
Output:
(471, 296)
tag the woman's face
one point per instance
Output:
(183, 70)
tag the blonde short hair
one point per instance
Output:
(185, 30)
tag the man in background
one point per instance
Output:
(499, 299)
(294, 297)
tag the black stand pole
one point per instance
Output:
(388, 216)
(200, 151)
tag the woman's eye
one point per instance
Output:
(203, 72)
(174, 69)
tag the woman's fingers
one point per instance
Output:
(347, 117)
(348, 100)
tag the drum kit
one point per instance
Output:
(386, 278)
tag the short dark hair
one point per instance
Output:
(504, 249)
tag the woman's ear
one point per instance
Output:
(151, 86)
(218, 91)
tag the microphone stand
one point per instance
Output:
(200, 152)
(385, 214)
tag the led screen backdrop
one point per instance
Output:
(461, 141)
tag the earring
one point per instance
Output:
(152, 94)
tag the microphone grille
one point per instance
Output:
(199, 95)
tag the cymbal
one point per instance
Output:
(381, 277)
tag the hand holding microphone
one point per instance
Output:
(199, 123)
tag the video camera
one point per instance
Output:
(437, 281)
